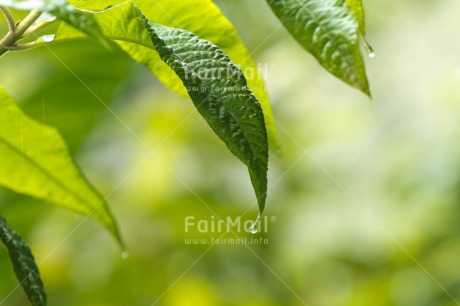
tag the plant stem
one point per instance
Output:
(12, 37)
(9, 18)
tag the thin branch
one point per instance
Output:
(11, 38)
(26, 23)
(21, 47)
(40, 42)
(38, 27)
(9, 18)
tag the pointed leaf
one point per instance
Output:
(216, 85)
(24, 264)
(35, 161)
(220, 93)
(327, 29)
(204, 19)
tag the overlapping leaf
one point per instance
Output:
(329, 30)
(35, 161)
(204, 19)
(24, 264)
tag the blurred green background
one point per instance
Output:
(364, 204)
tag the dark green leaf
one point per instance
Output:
(215, 84)
(329, 30)
(219, 91)
(24, 264)
(203, 18)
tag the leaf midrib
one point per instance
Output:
(210, 92)
(46, 172)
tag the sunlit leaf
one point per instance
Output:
(204, 19)
(329, 30)
(35, 161)
(78, 19)
(24, 264)
(356, 7)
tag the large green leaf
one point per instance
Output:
(204, 19)
(81, 20)
(215, 84)
(35, 161)
(329, 30)
(24, 264)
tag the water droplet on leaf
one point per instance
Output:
(253, 228)
(124, 255)
(369, 49)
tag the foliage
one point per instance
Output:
(206, 62)
(36, 161)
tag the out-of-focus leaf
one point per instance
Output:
(328, 30)
(35, 161)
(83, 21)
(204, 19)
(24, 264)
(357, 8)
(82, 109)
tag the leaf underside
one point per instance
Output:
(24, 264)
(35, 161)
(329, 30)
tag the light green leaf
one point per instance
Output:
(83, 21)
(329, 30)
(357, 8)
(29, 5)
(204, 19)
(24, 264)
(35, 161)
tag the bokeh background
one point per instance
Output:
(363, 205)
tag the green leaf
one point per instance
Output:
(216, 85)
(83, 21)
(204, 19)
(220, 93)
(329, 30)
(24, 264)
(35, 161)
(357, 8)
